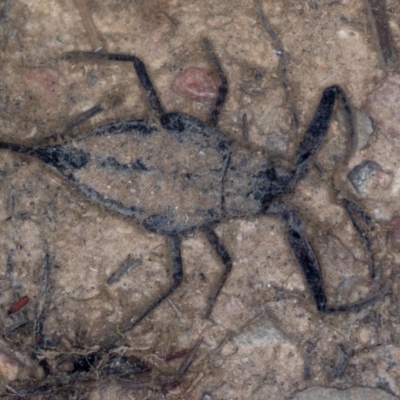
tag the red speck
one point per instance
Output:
(197, 84)
(177, 354)
(21, 303)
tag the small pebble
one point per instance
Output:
(9, 368)
(197, 84)
(361, 174)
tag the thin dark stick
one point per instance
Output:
(42, 303)
(364, 303)
(318, 129)
(93, 34)
(226, 260)
(223, 87)
(174, 244)
(245, 128)
(10, 268)
(380, 29)
(283, 59)
(124, 268)
(16, 327)
(188, 360)
(354, 211)
(59, 134)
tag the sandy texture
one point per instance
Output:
(265, 338)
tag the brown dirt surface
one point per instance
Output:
(265, 338)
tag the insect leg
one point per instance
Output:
(140, 69)
(60, 134)
(319, 126)
(308, 262)
(360, 220)
(302, 250)
(223, 87)
(356, 214)
(174, 243)
(226, 260)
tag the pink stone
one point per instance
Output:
(197, 84)
(45, 82)
(9, 368)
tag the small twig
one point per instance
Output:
(60, 135)
(188, 360)
(283, 59)
(42, 303)
(10, 389)
(16, 327)
(94, 37)
(245, 128)
(10, 268)
(380, 29)
(124, 268)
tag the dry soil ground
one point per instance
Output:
(265, 338)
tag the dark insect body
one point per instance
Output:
(181, 174)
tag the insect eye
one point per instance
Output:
(178, 123)
(266, 201)
(172, 122)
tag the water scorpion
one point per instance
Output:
(179, 174)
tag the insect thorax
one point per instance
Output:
(246, 181)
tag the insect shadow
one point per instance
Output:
(179, 174)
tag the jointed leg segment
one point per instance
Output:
(226, 260)
(148, 86)
(174, 243)
(223, 87)
(308, 261)
(356, 214)
(319, 126)
(140, 69)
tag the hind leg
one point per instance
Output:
(174, 243)
(147, 84)
(308, 261)
(223, 87)
(226, 261)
